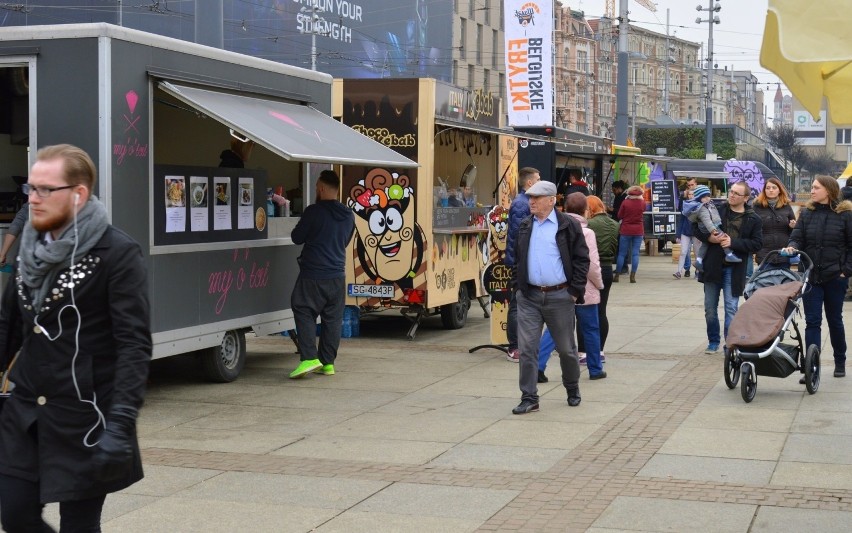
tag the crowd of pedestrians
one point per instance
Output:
(563, 265)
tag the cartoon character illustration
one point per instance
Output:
(746, 171)
(498, 226)
(526, 15)
(390, 245)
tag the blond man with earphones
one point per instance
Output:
(77, 314)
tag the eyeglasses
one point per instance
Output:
(736, 194)
(42, 192)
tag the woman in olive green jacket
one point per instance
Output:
(606, 235)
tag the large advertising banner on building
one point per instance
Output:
(809, 131)
(529, 30)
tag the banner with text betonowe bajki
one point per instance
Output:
(529, 30)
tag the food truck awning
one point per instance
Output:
(705, 174)
(295, 132)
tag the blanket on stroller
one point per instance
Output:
(760, 318)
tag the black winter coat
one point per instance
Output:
(572, 249)
(825, 234)
(776, 228)
(44, 424)
(749, 242)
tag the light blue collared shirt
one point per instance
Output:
(545, 263)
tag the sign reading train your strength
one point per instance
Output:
(529, 30)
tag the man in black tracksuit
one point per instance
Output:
(325, 229)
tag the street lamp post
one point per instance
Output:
(712, 19)
(314, 18)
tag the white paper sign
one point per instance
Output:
(245, 211)
(199, 197)
(221, 203)
(175, 204)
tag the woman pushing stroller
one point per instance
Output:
(824, 232)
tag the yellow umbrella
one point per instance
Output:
(809, 46)
(847, 173)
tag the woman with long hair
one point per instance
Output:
(606, 236)
(632, 230)
(773, 207)
(824, 232)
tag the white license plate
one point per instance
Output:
(371, 291)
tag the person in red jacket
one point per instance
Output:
(632, 231)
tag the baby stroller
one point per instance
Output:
(755, 341)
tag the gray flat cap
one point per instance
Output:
(542, 188)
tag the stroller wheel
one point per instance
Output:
(732, 368)
(812, 369)
(748, 388)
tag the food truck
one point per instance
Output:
(422, 235)
(155, 113)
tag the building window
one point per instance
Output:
(495, 46)
(844, 136)
(455, 6)
(501, 79)
(479, 44)
(501, 14)
(463, 39)
(470, 77)
(455, 72)
(471, 10)
(485, 80)
(487, 9)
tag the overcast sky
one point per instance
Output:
(736, 39)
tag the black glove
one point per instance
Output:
(115, 449)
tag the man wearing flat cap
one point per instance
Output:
(552, 261)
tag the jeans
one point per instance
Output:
(625, 241)
(711, 305)
(587, 323)
(829, 295)
(20, 509)
(556, 310)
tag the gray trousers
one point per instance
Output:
(556, 309)
(324, 298)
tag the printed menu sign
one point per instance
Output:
(663, 196)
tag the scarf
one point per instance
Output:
(39, 262)
(772, 203)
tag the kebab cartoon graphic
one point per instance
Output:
(389, 243)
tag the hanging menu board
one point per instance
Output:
(663, 196)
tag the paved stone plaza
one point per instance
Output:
(419, 436)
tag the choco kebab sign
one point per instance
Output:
(529, 30)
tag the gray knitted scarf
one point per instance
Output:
(39, 262)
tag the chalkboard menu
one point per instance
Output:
(663, 196)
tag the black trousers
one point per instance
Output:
(324, 298)
(20, 510)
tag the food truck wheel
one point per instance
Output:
(224, 363)
(454, 315)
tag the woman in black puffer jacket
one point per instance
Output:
(824, 232)
(772, 205)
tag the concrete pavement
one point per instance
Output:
(419, 436)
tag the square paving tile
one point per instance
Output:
(203, 516)
(271, 420)
(525, 431)
(733, 444)
(412, 499)
(500, 458)
(361, 449)
(740, 417)
(651, 514)
(825, 423)
(325, 493)
(770, 519)
(166, 480)
(818, 475)
(713, 469)
(807, 448)
(216, 440)
(357, 521)
(428, 426)
(825, 400)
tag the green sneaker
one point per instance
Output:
(327, 370)
(305, 367)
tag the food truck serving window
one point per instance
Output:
(295, 132)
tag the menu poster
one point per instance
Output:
(663, 196)
(198, 198)
(222, 203)
(175, 204)
(665, 224)
(245, 211)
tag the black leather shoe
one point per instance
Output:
(574, 397)
(525, 407)
(541, 377)
(686, 274)
(839, 372)
(602, 375)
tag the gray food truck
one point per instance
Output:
(155, 113)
